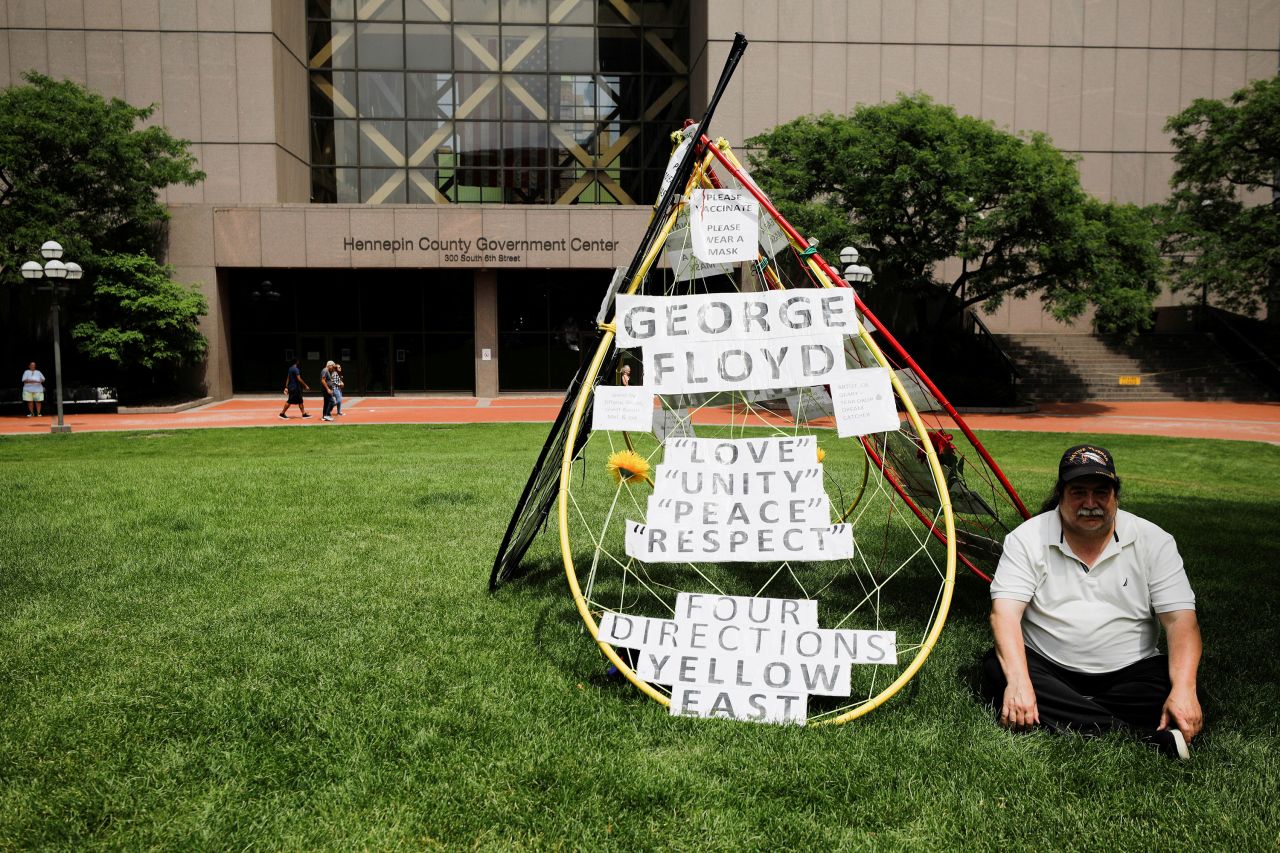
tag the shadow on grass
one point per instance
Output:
(1228, 540)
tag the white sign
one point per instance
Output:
(486, 354)
(738, 341)
(673, 164)
(729, 451)
(615, 284)
(730, 365)
(752, 512)
(809, 404)
(725, 226)
(864, 402)
(765, 315)
(698, 543)
(684, 264)
(622, 408)
(772, 237)
(739, 500)
(671, 423)
(674, 481)
(745, 658)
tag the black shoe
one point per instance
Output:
(1171, 744)
(306, 416)
(284, 416)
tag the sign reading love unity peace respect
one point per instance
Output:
(739, 500)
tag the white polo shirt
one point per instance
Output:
(1098, 620)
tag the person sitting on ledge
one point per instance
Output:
(1078, 599)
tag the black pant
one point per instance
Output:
(1129, 698)
(328, 404)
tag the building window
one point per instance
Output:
(498, 101)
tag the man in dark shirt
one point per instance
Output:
(294, 385)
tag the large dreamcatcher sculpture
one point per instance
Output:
(740, 559)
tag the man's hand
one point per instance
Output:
(1019, 709)
(1182, 709)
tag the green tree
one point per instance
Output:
(912, 184)
(1226, 241)
(77, 168)
(140, 319)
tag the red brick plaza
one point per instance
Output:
(1241, 421)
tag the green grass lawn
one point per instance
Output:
(282, 638)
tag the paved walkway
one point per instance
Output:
(1242, 421)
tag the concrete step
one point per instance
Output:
(1170, 367)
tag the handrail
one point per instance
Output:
(988, 339)
(1266, 368)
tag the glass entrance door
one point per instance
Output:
(376, 366)
(403, 330)
(312, 355)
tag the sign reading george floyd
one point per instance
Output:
(702, 317)
(745, 658)
(734, 366)
(738, 341)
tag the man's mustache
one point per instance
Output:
(1096, 512)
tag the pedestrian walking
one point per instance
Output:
(294, 385)
(327, 379)
(338, 384)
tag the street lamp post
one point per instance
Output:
(58, 274)
(854, 273)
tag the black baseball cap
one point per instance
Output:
(1087, 460)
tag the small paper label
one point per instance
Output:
(622, 408)
(864, 402)
(671, 423)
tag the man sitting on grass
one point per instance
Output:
(1075, 603)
